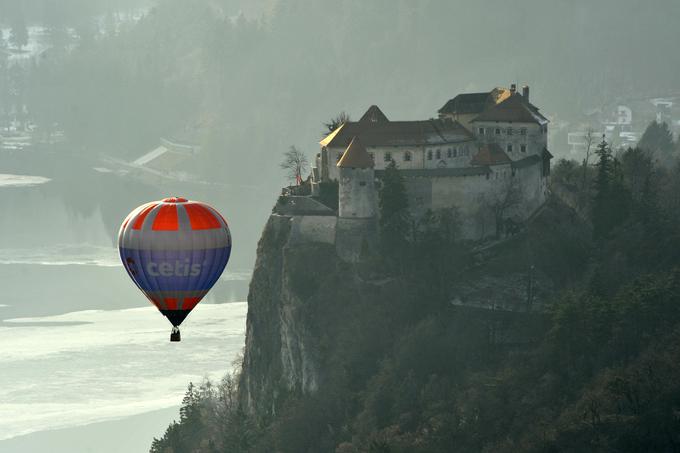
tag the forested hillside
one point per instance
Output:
(592, 365)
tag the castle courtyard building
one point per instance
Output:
(484, 150)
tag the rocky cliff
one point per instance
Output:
(316, 317)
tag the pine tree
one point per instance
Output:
(395, 221)
(657, 137)
(611, 201)
(602, 189)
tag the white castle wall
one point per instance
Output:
(463, 152)
(305, 229)
(534, 139)
(474, 196)
(357, 194)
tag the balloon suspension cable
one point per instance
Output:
(175, 335)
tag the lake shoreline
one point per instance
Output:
(133, 434)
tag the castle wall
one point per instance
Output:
(475, 195)
(306, 229)
(534, 139)
(357, 194)
(463, 152)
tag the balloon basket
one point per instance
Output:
(175, 335)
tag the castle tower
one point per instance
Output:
(356, 194)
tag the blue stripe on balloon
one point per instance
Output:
(175, 270)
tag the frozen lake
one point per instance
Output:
(91, 366)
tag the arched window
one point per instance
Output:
(407, 156)
(429, 154)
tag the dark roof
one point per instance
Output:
(490, 154)
(299, 205)
(474, 102)
(547, 153)
(440, 172)
(374, 115)
(398, 133)
(466, 103)
(513, 109)
(355, 156)
(527, 161)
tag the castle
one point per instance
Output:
(486, 155)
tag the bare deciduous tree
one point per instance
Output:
(588, 143)
(505, 195)
(295, 163)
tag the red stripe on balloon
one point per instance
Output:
(166, 219)
(201, 218)
(142, 216)
(190, 302)
(216, 212)
(171, 303)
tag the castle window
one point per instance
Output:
(449, 153)
(429, 155)
(439, 154)
(455, 152)
(407, 156)
(388, 156)
(509, 131)
(523, 131)
(481, 131)
(523, 148)
(498, 131)
(509, 147)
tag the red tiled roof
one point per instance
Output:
(355, 156)
(490, 154)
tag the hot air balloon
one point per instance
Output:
(174, 250)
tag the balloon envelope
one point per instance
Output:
(174, 250)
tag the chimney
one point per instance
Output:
(513, 88)
(525, 93)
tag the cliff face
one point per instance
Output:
(321, 318)
(307, 305)
(282, 351)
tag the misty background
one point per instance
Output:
(105, 105)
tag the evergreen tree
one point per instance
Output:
(657, 137)
(602, 189)
(395, 221)
(611, 196)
